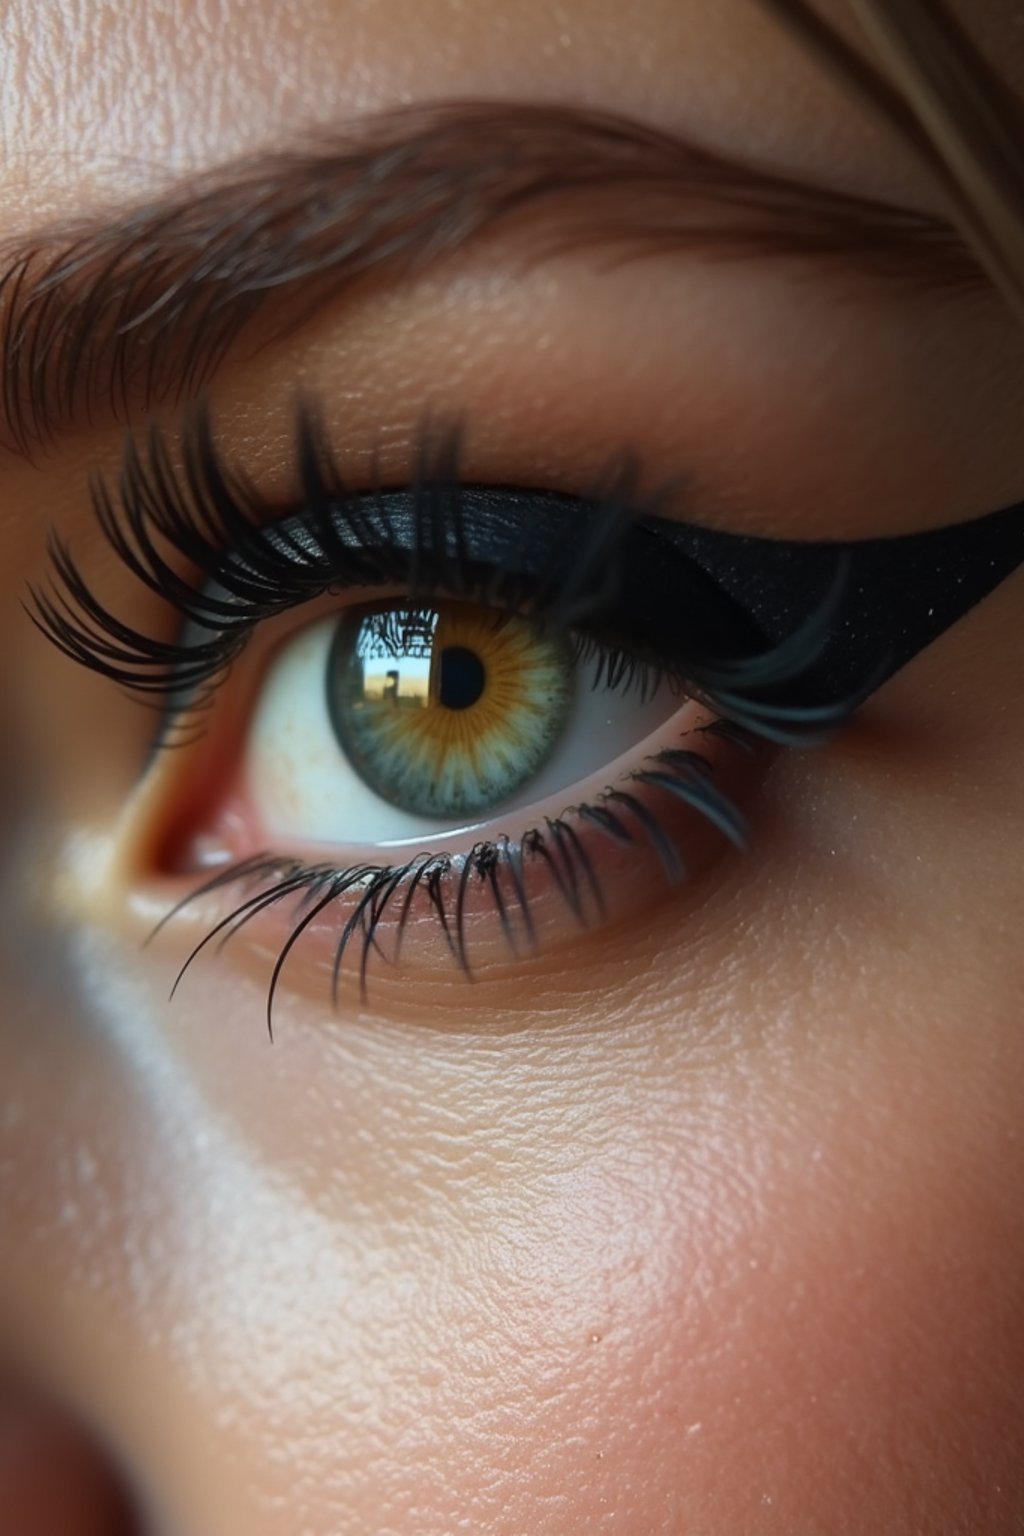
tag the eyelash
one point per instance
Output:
(683, 773)
(251, 564)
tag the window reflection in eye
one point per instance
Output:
(408, 723)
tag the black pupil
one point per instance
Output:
(462, 677)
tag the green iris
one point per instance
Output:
(447, 712)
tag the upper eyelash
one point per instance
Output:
(252, 566)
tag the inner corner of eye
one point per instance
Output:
(384, 728)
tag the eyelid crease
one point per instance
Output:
(145, 303)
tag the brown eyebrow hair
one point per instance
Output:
(142, 304)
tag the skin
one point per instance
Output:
(709, 1222)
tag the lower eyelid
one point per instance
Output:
(576, 874)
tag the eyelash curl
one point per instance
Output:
(683, 773)
(600, 569)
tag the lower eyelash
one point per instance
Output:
(498, 867)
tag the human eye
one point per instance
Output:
(433, 725)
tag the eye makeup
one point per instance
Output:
(897, 595)
(740, 614)
(743, 639)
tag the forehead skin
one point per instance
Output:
(108, 95)
(712, 1227)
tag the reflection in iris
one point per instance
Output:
(447, 711)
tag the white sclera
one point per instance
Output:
(301, 786)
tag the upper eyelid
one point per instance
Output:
(832, 620)
(255, 559)
(602, 565)
(146, 302)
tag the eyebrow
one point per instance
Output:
(141, 305)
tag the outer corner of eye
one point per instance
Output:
(408, 789)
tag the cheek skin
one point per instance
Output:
(723, 1267)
